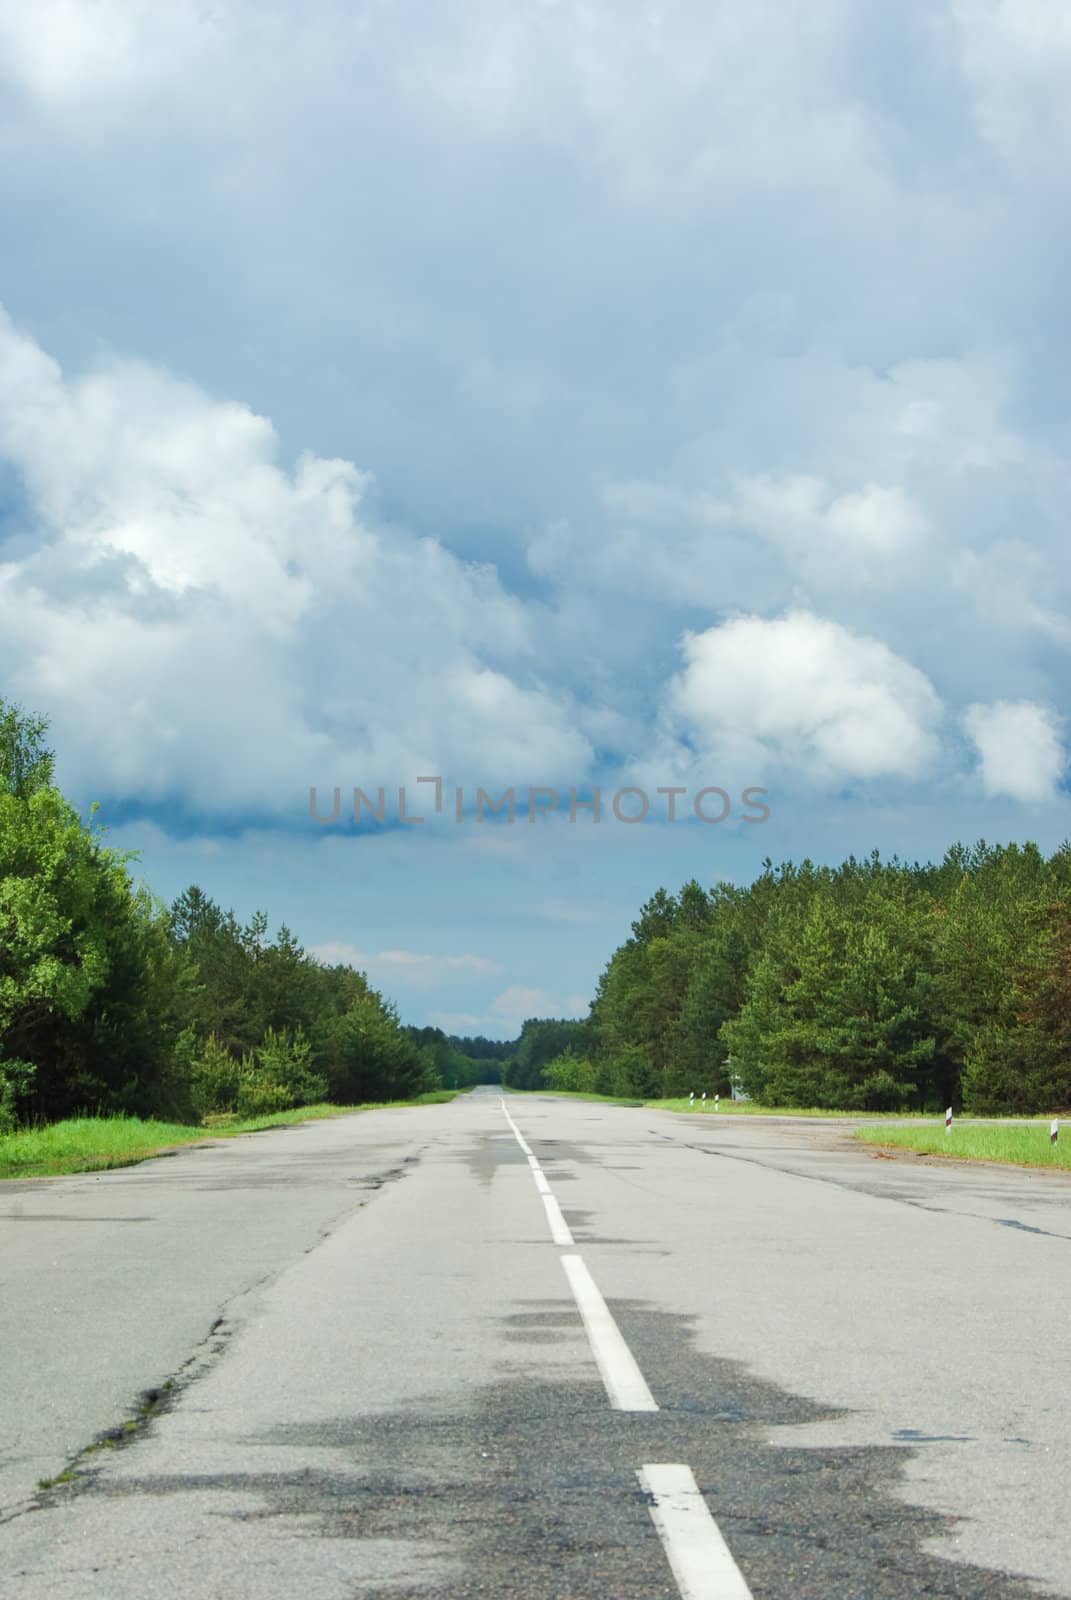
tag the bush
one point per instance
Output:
(569, 1074)
(258, 1094)
(214, 1079)
(15, 1080)
(629, 1072)
(282, 1073)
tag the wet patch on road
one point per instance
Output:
(528, 1489)
(493, 1151)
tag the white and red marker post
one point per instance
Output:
(1054, 1131)
(948, 1120)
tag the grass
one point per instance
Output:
(750, 1108)
(1025, 1144)
(726, 1108)
(67, 1476)
(97, 1144)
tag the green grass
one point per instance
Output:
(96, 1144)
(750, 1108)
(1022, 1144)
(726, 1108)
(67, 1476)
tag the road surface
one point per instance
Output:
(537, 1348)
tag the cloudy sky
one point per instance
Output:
(538, 393)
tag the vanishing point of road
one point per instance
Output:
(540, 1348)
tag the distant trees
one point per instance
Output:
(872, 985)
(462, 1062)
(110, 1001)
(541, 1040)
(865, 986)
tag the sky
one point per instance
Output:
(536, 395)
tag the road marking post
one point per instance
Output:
(948, 1120)
(701, 1561)
(1054, 1131)
(704, 1099)
(622, 1378)
(691, 1098)
(717, 1097)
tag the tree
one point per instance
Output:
(25, 762)
(1018, 1060)
(845, 1023)
(370, 1057)
(542, 1038)
(65, 908)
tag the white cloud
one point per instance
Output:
(63, 50)
(804, 693)
(516, 1004)
(414, 968)
(860, 531)
(1016, 58)
(199, 621)
(512, 1008)
(1020, 749)
(465, 1023)
(336, 218)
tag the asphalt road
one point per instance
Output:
(589, 1351)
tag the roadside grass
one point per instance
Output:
(726, 1108)
(750, 1108)
(97, 1144)
(1025, 1144)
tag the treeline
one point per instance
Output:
(111, 1001)
(542, 1040)
(462, 1062)
(868, 986)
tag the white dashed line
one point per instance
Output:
(559, 1228)
(518, 1135)
(623, 1379)
(701, 1560)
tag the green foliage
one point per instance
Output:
(112, 1003)
(16, 1079)
(215, 1075)
(1025, 1145)
(1019, 1060)
(25, 762)
(279, 1076)
(570, 1073)
(66, 916)
(839, 1016)
(460, 1063)
(370, 1056)
(872, 985)
(541, 1040)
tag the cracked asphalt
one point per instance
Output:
(382, 1386)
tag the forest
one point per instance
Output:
(873, 985)
(113, 1002)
